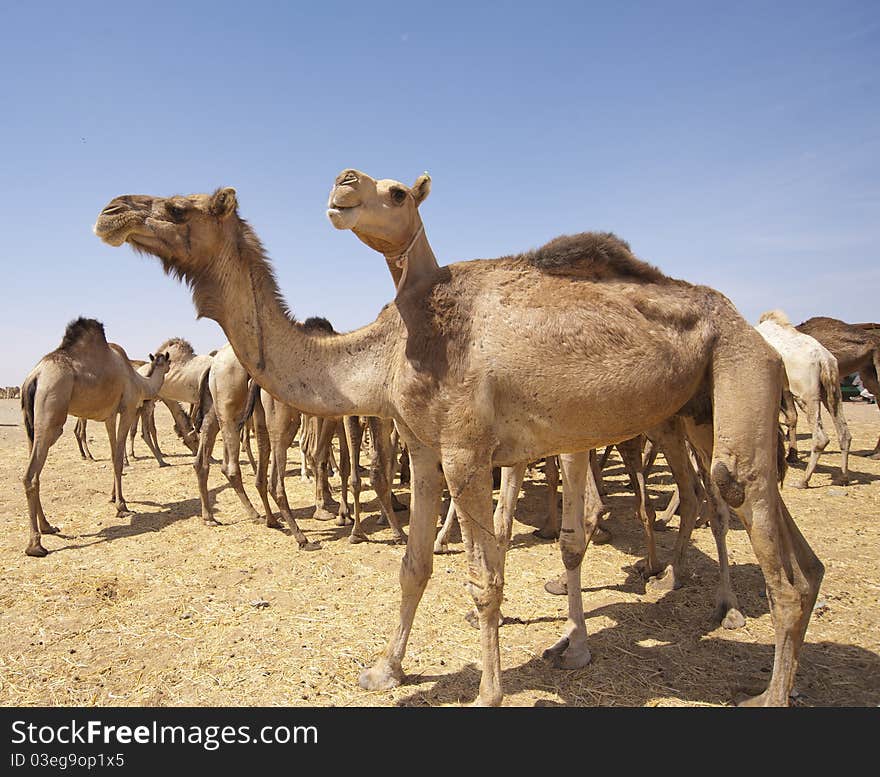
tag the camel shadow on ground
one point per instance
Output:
(140, 522)
(651, 651)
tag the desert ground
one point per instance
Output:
(158, 609)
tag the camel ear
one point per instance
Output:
(224, 202)
(152, 358)
(167, 356)
(421, 188)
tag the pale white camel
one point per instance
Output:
(812, 381)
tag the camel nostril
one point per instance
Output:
(113, 208)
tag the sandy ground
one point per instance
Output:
(161, 610)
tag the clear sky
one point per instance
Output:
(733, 144)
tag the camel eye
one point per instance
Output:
(175, 211)
(398, 196)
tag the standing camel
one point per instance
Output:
(813, 381)
(89, 378)
(468, 362)
(856, 348)
(384, 214)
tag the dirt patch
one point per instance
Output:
(161, 610)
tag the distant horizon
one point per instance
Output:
(736, 147)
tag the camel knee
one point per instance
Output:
(573, 545)
(415, 573)
(486, 593)
(732, 491)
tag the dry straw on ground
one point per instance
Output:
(161, 610)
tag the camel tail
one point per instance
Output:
(28, 394)
(830, 381)
(204, 403)
(781, 461)
(253, 393)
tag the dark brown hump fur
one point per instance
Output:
(592, 256)
(319, 324)
(80, 329)
(179, 343)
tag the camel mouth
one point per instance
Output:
(343, 218)
(110, 233)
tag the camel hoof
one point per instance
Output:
(661, 525)
(123, 512)
(557, 587)
(272, 523)
(761, 700)
(164, 464)
(545, 534)
(383, 676)
(798, 483)
(354, 538)
(211, 522)
(36, 550)
(663, 582)
(792, 457)
(323, 514)
(381, 520)
(344, 520)
(310, 545)
(572, 658)
(601, 536)
(733, 620)
(50, 529)
(840, 480)
(400, 539)
(440, 548)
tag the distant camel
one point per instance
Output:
(856, 348)
(813, 380)
(90, 378)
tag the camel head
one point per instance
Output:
(383, 214)
(183, 231)
(160, 362)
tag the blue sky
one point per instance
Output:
(736, 145)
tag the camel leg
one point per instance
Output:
(261, 432)
(48, 426)
(246, 443)
(789, 409)
(380, 471)
(674, 504)
(354, 437)
(323, 497)
(202, 464)
(844, 438)
(871, 381)
(282, 428)
(231, 466)
(132, 432)
(148, 431)
(571, 651)
(344, 469)
(469, 477)
(550, 530)
(744, 471)
(117, 432)
(80, 433)
(819, 440)
(631, 452)
(441, 543)
(183, 427)
(416, 567)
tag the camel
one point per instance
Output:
(89, 378)
(856, 348)
(380, 217)
(468, 363)
(813, 380)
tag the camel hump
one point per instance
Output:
(319, 324)
(82, 329)
(592, 255)
(177, 344)
(776, 316)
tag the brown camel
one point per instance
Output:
(89, 378)
(386, 213)
(856, 348)
(468, 364)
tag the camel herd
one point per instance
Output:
(474, 366)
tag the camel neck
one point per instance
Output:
(149, 384)
(326, 375)
(413, 263)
